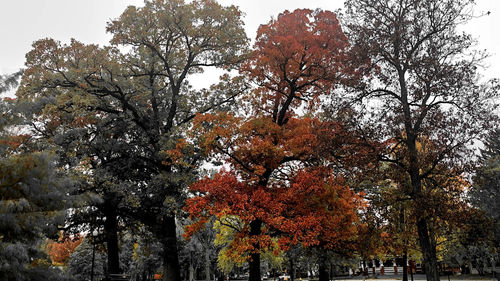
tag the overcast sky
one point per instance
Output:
(24, 21)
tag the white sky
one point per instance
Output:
(24, 21)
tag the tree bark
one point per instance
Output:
(191, 267)
(254, 263)
(323, 266)
(292, 270)
(171, 268)
(424, 232)
(111, 233)
(405, 266)
(428, 250)
(323, 271)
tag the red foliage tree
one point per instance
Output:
(279, 182)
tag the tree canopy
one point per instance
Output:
(335, 143)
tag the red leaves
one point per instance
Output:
(301, 54)
(278, 160)
(318, 209)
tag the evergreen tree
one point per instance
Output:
(486, 189)
(33, 197)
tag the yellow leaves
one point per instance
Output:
(238, 250)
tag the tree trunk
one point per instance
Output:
(323, 266)
(191, 267)
(191, 272)
(111, 233)
(292, 270)
(254, 263)
(405, 266)
(365, 268)
(171, 268)
(428, 251)
(323, 271)
(425, 234)
(493, 267)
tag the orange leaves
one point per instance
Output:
(223, 194)
(319, 209)
(178, 154)
(210, 128)
(303, 53)
(279, 181)
(195, 227)
(255, 145)
(60, 251)
(309, 206)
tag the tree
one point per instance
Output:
(143, 93)
(486, 186)
(298, 57)
(140, 254)
(472, 243)
(33, 199)
(487, 181)
(425, 83)
(80, 264)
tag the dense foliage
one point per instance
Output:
(320, 147)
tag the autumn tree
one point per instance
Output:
(275, 153)
(139, 86)
(424, 84)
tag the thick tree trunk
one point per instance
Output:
(323, 266)
(424, 233)
(254, 263)
(428, 250)
(323, 271)
(292, 270)
(171, 268)
(405, 266)
(111, 233)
